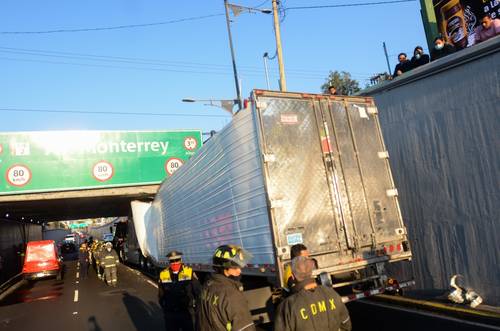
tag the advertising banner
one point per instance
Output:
(457, 19)
(72, 160)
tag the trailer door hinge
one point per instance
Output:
(372, 110)
(383, 155)
(392, 192)
(269, 158)
(277, 203)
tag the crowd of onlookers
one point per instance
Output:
(488, 28)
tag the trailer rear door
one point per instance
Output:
(328, 177)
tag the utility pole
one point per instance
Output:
(386, 57)
(265, 68)
(236, 80)
(278, 45)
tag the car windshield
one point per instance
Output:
(40, 253)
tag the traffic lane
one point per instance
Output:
(39, 303)
(84, 304)
(375, 316)
(132, 305)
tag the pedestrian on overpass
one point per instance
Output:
(83, 260)
(109, 261)
(223, 305)
(178, 294)
(311, 306)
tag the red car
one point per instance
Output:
(42, 260)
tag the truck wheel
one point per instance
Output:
(142, 262)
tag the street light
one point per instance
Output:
(236, 9)
(226, 104)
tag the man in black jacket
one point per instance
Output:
(178, 291)
(223, 306)
(403, 65)
(311, 306)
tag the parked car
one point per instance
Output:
(42, 260)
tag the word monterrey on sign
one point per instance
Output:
(72, 160)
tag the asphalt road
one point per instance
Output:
(89, 304)
(376, 316)
(84, 304)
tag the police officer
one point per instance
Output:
(179, 290)
(311, 306)
(223, 306)
(109, 261)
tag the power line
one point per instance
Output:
(108, 113)
(155, 62)
(118, 27)
(349, 5)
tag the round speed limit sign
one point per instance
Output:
(18, 175)
(103, 171)
(172, 165)
(190, 143)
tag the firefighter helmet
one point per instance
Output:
(230, 256)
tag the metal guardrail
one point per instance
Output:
(6, 285)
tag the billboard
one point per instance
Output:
(457, 19)
(72, 160)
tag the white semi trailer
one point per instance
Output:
(290, 168)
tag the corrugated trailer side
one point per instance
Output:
(217, 197)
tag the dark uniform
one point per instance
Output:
(223, 306)
(177, 295)
(320, 308)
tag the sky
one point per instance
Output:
(148, 70)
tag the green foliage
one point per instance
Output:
(342, 81)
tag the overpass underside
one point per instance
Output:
(72, 205)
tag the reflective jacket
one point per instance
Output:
(223, 307)
(178, 291)
(109, 259)
(320, 308)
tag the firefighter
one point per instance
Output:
(310, 306)
(178, 292)
(223, 305)
(109, 261)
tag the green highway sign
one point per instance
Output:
(48, 161)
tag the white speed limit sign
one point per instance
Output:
(190, 143)
(103, 171)
(18, 175)
(172, 165)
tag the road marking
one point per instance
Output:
(152, 283)
(75, 313)
(77, 282)
(77, 275)
(75, 299)
(430, 314)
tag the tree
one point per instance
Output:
(343, 83)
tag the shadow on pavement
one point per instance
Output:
(92, 323)
(145, 316)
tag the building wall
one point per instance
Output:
(13, 238)
(441, 124)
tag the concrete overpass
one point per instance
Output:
(72, 205)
